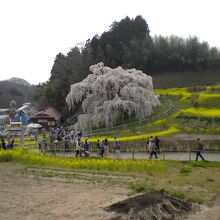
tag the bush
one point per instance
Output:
(138, 187)
(185, 170)
(179, 195)
(6, 156)
(209, 100)
(200, 113)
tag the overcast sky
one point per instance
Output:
(33, 32)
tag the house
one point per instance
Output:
(49, 117)
(53, 112)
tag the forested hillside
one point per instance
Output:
(172, 61)
(19, 92)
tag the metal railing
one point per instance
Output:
(123, 126)
(180, 150)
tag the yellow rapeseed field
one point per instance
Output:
(34, 158)
(200, 112)
(169, 131)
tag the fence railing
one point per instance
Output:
(123, 126)
(178, 150)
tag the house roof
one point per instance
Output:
(49, 112)
(42, 115)
(53, 112)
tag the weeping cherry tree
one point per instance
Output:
(108, 93)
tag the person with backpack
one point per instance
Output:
(199, 148)
(116, 147)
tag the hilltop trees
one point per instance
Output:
(108, 93)
(66, 70)
(175, 54)
(127, 44)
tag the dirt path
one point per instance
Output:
(33, 198)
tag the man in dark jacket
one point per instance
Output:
(86, 148)
(199, 148)
(3, 144)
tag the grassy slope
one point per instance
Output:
(186, 79)
(194, 110)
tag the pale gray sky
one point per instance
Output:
(33, 32)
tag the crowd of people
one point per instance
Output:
(79, 142)
(7, 143)
(73, 138)
(70, 137)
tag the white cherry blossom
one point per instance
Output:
(107, 93)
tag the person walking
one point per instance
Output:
(78, 148)
(44, 142)
(102, 148)
(3, 144)
(152, 148)
(7, 144)
(106, 149)
(54, 147)
(98, 146)
(40, 144)
(199, 148)
(116, 147)
(157, 144)
(86, 147)
(66, 143)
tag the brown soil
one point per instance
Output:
(153, 205)
(26, 196)
(210, 212)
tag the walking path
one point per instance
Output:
(210, 156)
